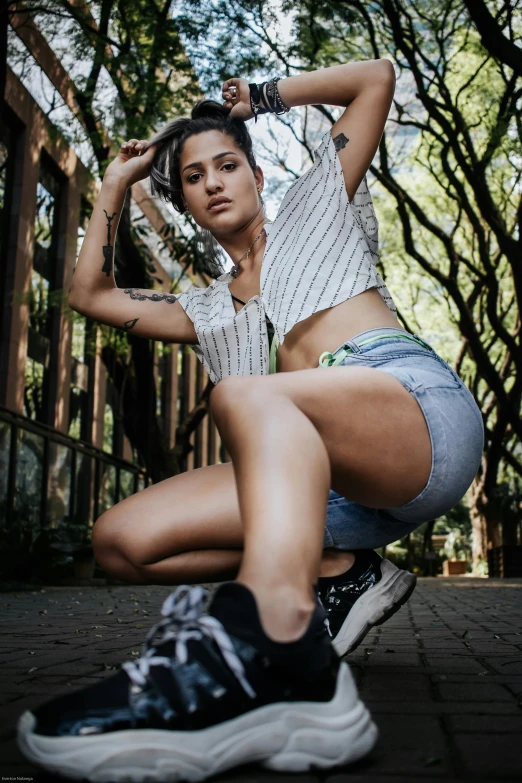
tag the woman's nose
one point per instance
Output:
(213, 182)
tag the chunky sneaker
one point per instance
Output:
(212, 693)
(366, 595)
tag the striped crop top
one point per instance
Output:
(320, 250)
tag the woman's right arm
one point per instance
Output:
(94, 293)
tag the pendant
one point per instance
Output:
(234, 271)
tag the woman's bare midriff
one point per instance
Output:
(329, 329)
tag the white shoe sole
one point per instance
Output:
(375, 606)
(287, 737)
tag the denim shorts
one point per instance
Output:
(455, 427)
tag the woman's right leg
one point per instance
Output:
(184, 530)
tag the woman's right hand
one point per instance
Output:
(131, 164)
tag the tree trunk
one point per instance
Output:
(486, 515)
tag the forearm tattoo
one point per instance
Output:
(128, 325)
(340, 142)
(169, 298)
(108, 249)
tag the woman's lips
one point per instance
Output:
(219, 207)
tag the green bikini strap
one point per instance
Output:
(273, 355)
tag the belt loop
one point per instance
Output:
(351, 346)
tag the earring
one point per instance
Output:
(259, 189)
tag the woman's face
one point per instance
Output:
(219, 187)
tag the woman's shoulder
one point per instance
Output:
(216, 288)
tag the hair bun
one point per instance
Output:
(209, 108)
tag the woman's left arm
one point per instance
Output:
(365, 88)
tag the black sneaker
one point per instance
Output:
(366, 595)
(213, 693)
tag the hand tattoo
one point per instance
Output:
(128, 325)
(107, 249)
(169, 298)
(340, 142)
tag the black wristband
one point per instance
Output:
(268, 94)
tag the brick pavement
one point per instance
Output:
(443, 678)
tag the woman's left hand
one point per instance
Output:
(236, 97)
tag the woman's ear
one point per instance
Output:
(260, 180)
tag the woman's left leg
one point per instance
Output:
(293, 435)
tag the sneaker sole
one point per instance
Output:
(376, 606)
(287, 737)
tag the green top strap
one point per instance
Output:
(273, 355)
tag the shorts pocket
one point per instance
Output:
(414, 369)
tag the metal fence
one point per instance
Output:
(51, 481)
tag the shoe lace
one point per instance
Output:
(183, 620)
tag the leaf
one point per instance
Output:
(431, 761)
(466, 635)
(109, 611)
(482, 674)
(35, 668)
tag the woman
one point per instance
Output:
(389, 427)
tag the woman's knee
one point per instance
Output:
(234, 393)
(108, 551)
(103, 538)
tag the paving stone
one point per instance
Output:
(459, 724)
(415, 745)
(481, 692)
(487, 755)
(510, 665)
(409, 687)
(455, 664)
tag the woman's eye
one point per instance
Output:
(226, 167)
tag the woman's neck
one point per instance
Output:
(236, 244)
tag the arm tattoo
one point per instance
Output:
(107, 249)
(340, 142)
(169, 298)
(128, 325)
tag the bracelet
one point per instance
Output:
(268, 94)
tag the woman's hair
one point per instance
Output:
(207, 115)
(165, 176)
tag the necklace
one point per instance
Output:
(235, 271)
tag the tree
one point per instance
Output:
(130, 74)
(448, 171)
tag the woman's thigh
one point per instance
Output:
(199, 510)
(194, 510)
